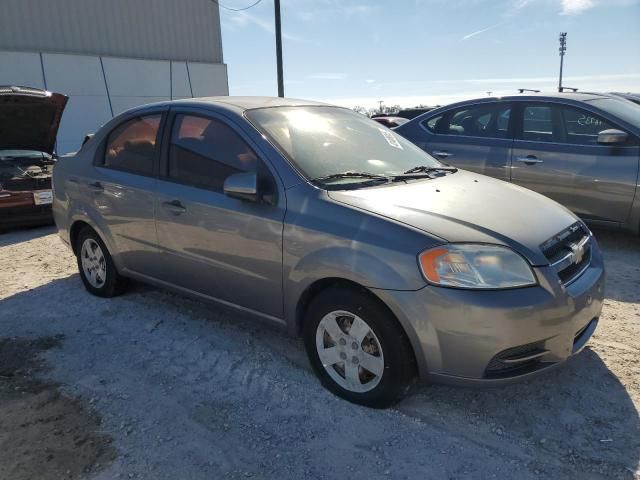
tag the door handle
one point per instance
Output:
(96, 187)
(529, 160)
(174, 206)
(442, 154)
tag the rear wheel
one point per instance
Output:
(357, 348)
(96, 267)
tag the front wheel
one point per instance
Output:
(357, 348)
(96, 267)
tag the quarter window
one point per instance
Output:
(204, 152)
(432, 123)
(132, 145)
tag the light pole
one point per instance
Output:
(562, 50)
(279, 49)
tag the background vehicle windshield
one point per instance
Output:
(627, 111)
(323, 141)
(17, 155)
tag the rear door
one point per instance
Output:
(474, 137)
(215, 245)
(556, 154)
(122, 191)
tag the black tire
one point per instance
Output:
(113, 284)
(399, 362)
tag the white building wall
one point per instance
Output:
(100, 87)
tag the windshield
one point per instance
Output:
(623, 109)
(325, 141)
(23, 154)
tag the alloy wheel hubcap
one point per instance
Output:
(350, 351)
(94, 264)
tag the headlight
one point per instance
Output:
(475, 266)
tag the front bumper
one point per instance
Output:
(26, 215)
(466, 336)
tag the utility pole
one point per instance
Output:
(380, 102)
(279, 49)
(562, 50)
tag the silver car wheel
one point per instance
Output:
(94, 264)
(350, 351)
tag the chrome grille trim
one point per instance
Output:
(569, 258)
(569, 252)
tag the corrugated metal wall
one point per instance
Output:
(185, 30)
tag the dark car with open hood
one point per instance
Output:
(29, 120)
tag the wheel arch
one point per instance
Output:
(75, 230)
(320, 285)
(78, 225)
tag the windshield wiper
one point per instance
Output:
(364, 175)
(425, 169)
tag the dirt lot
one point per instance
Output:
(156, 386)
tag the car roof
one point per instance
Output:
(236, 104)
(529, 96)
(576, 96)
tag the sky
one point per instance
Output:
(408, 52)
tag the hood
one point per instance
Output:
(467, 207)
(29, 118)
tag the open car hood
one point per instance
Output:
(29, 118)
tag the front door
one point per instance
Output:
(474, 137)
(556, 154)
(222, 247)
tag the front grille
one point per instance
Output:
(569, 252)
(516, 361)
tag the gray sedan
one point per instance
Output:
(580, 149)
(323, 222)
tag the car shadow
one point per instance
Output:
(621, 252)
(23, 234)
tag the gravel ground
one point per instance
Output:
(186, 390)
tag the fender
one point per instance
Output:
(344, 263)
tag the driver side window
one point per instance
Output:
(582, 127)
(204, 151)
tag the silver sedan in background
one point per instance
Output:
(580, 149)
(321, 221)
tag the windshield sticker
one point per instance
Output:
(390, 138)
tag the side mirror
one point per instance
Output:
(612, 137)
(243, 186)
(87, 137)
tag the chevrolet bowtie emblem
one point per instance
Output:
(577, 250)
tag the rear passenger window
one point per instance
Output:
(537, 124)
(132, 145)
(204, 152)
(582, 127)
(488, 121)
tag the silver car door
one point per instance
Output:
(557, 154)
(222, 247)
